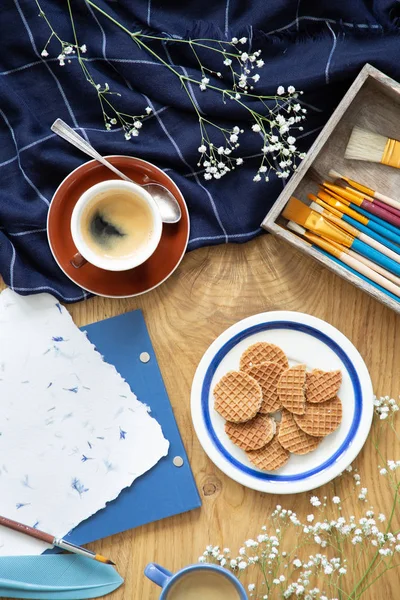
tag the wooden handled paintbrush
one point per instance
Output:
(343, 254)
(373, 147)
(301, 214)
(371, 207)
(53, 541)
(367, 191)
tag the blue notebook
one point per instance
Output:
(165, 490)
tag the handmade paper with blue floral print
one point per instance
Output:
(72, 432)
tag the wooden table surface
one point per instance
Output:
(213, 288)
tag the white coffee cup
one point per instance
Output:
(86, 254)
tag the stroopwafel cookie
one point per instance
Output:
(322, 385)
(261, 352)
(291, 386)
(294, 439)
(267, 375)
(270, 457)
(237, 396)
(253, 434)
(320, 420)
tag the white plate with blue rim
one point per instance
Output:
(304, 339)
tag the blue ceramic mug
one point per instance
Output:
(165, 579)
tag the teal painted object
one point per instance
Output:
(56, 576)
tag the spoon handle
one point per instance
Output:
(67, 133)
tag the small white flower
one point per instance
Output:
(381, 517)
(83, 48)
(243, 40)
(44, 52)
(336, 500)
(202, 559)
(207, 176)
(237, 96)
(262, 169)
(205, 80)
(137, 124)
(256, 77)
(234, 40)
(291, 139)
(291, 89)
(202, 87)
(61, 60)
(227, 62)
(148, 110)
(282, 578)
(233, 138)
(314, 500)
(242, 565)
(202, 149)
(67, 50)
(239, 161)
(280, 90)
(297, 563)
(251, 587)
(244, 56)
(260, 63)
(258, 178)
(256, 127)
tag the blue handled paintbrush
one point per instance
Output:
(301, 214)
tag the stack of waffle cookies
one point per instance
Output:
(264, 386)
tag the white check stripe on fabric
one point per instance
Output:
(12, 263)
(321, 19)
(29, 181)
(328, 64)
(227, 18)
(67, 104)
(47, 137)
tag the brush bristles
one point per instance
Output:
(365, 145)
(334, 174)
(296, 211)
(297, 228)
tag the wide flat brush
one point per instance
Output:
(301, 214)
(356, 232)
(371, 207)
(364, 189)
(373, 147)
(355, 212)
(345, 258)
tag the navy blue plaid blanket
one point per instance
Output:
(318, 46)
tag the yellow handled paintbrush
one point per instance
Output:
(341, 253)
(367, 191)
(373, 147)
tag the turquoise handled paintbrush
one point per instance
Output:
(56, 577)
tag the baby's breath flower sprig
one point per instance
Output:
(337, 554)
(276, 123)
(130, 124)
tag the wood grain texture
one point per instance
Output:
(372, 102)
(213, 288)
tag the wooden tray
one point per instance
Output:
(373, 101)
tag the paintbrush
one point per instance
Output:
(301, 214)
(367, 205)
(356, 232)
(355, 212)
(355, 195)
(364, 189)
(373, 147)
(340, 252)
(54, 541)
(358, 222)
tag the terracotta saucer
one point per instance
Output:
(123, 284)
